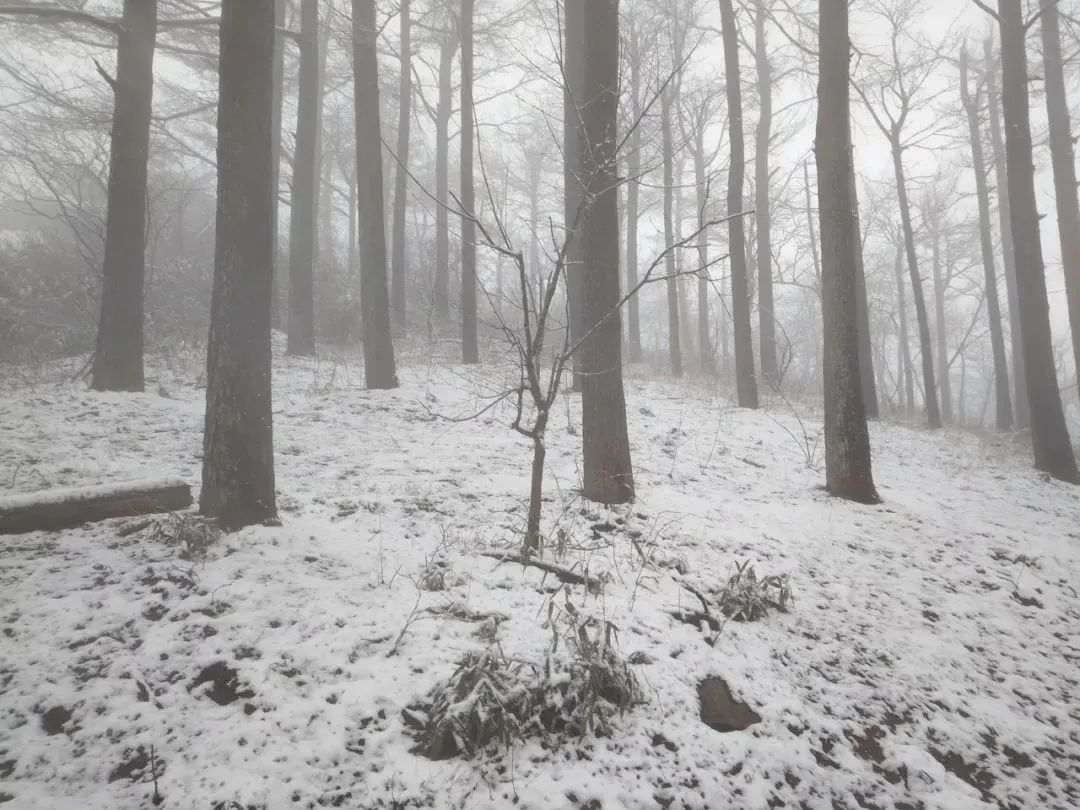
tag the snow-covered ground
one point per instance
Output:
(931, 658)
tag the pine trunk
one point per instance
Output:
(238, 447)
(118, 358)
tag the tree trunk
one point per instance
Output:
(397, 261)
(862, 305)
(848, 471)
(441, 291)
(573, 193)
(674, 331)
(379, 366)
(705, 352)
(118, 359)
(536, 165)
(608, 476)
(944, 389)
(633, 190)
(1064, 162)
(1008, 253)
(746, 384)
(470, 349)
(280, 7)
(238, 446)
(1002, 402)
(763, 215)
(933, 414)
(905, 364)
(1049, 434)
(305, 181)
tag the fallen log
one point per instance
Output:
(48, 510)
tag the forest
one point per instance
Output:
(588, 404)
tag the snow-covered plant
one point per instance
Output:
(746, 598)
(194, 534)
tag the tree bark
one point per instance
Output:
(118, 358)
(397, 261)
(238, 446)
(470, 349)
(1003, 415)
(1049, 434)
(379, 366)
(305, 181)
(608, 476)
(704, 339)
(763, 214)
(1022, 410)
(848, 471)
(280, 7)
(674, 330)
(573, 192)
(441, 291)
(745, 382)
(862, 304)
(37, 511)
(1064, 163)
(904, 360)
(944, 387)
(933, 414)
(633, 191)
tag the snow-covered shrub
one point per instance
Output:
(745, 598)
(189, 531)
(493, 701)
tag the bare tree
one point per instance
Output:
(238, 448)
(448, 43)
(470, 349)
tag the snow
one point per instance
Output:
(65, 494)
(930, 659)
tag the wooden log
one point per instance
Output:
(49, 510)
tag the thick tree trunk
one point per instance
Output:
(1003, 415)
(470, 349)
(118, 358)
(441, 287)
(280, 7)
(1064, 162)
(862, 305)
(379, 367)
(933, 414)
(633, 191)
(848, 471)
(573, 193)
(1049, 434)
(745, 382)
(305, 181)
(238, 446)
(1008, 253)
(944, 387)
(674, 330)
(397, 261)
(763, 214)
(608, 476)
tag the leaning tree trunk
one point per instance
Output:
(379, 367)
(118, 358)
(1003, 415)
(1064, 161)
(608, 476)
(238, 446)
(674, 333)
(848, 471)
(305, 182)
(441, 286)
(1049, 434)
(763, 214)
(933, 414)
(745, 383)
(633, 191)
(397, 257)
(573, 192)
(862, 304)
(470, 349)
(1008, 253)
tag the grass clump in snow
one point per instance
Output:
(746, 597)
(194, 535)
(493, 701)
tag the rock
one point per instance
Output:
(720, 709)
